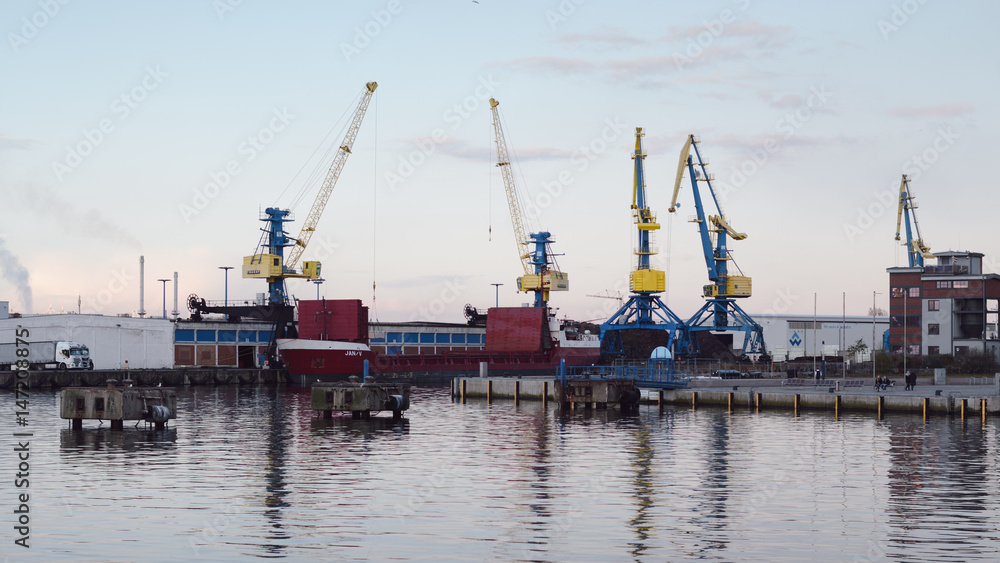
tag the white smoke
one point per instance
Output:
(14, 272)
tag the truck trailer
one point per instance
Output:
(58, 354)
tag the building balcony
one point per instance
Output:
(953, 270)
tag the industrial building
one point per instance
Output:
(794, 336)
(424, 338)
(113, 341)
(947, 308)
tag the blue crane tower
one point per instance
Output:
(644, 309)
(720, 311)
(916, 250)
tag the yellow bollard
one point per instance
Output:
(881, 401)
(757, 400)
(962, 408)
(694, 399)
(836, 407)
(984, 410)
(730, 402)
(463, 390)
(926, 405)
(796, 404)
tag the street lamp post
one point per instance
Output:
(874, 293)
(226, 287)
(318, 282)
(497, 285)
(905, 291)
(164, 296)
(225, 294)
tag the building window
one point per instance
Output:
(914, 350)
(933, 305)
(458, 338)
(908, 321)
(205, 335)
(897, 292)
(247, 336)
(943, 285)
(961, 350)
(394, 337)
(184, 336)
(475, 339)
(410, 337)
(933, 350)
(914, 292)
(961, 284)
(427, 338)
(443, 338)
(934, 328)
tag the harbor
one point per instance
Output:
(508, 281)
(254, 471)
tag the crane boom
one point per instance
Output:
(513, 202)
(720, 311)
(916, 250)
(309, 226)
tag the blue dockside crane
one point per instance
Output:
(644, 309)
(720, 311)
(541, 271)
(916, 250)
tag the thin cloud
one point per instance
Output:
(557, 65)
(11, 143)
(938, 111)
(614, 39)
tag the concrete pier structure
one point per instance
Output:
(155, 405)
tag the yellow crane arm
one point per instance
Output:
(513, 202)
(721, 222)
(681, 164)
(309, 226)
(902, 204)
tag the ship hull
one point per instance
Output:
(310, 361)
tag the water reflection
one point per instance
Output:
(643, 489)
(127, 440)
(942, 487)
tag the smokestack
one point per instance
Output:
(175, 296)
(142, 286)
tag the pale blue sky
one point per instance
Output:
(566, 73)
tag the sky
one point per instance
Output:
(163, 129)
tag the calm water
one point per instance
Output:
(251, 472)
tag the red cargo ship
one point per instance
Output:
(333, 344)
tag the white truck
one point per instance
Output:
(59, 354)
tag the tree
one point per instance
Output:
(857, 349)
(876, 312)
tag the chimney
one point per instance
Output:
(142, 286)
(175, 296)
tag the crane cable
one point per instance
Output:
(375, 210)
(326, 158)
